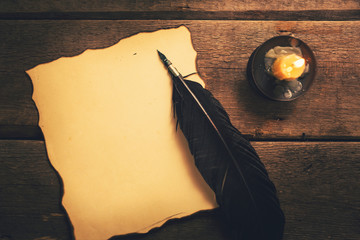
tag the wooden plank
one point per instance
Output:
(165, 5)
(223, 50)
(283, 15)
(332, 100)
(317, 184)
(184, 10)
(30, 194)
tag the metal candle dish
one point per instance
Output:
(259, 70)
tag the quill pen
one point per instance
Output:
(228, 163)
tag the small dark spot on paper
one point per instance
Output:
(134, 53)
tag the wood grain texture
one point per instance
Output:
(30, 194)
(295, 10)
(279, 15)
(166, 5)
(317, 181)
(317, 187)
(329, 110)
(317, 184)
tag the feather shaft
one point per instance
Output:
(227, 162)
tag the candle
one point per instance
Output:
(288, 67)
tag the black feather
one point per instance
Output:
(229, 164)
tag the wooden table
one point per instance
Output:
(311, 146)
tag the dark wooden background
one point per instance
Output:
(311, 146)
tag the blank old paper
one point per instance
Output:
(109, 130)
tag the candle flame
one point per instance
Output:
(288, 67)
(299, 63)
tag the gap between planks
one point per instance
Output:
(34, 133)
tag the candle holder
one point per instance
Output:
(265, 79)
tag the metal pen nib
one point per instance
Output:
(162, 56)
(169, 65)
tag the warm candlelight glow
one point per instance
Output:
(288, 67)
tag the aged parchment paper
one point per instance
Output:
(109, 130)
